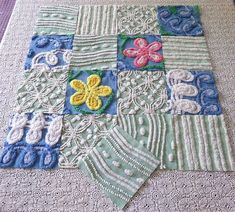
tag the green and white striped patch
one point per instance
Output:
(120, 165)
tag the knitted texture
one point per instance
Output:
(94, 52)
(32, 141)
(184, 52)
(60, 20)
(145, 52)
(120, 165)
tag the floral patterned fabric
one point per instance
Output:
(140, 52)
(118, 111)
(91, 92)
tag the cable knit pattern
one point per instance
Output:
(27, 190)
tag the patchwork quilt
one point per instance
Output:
(118, 92)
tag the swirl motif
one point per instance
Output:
(49, 51)
(197, 87)
(180, 20)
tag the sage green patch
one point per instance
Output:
(202, 143)
(155, 133)
(42, 91)
(119, 164)
(141, 92)
(80, 134)
(185, 52)
(59, 20)
(133, 20)
(94, 52)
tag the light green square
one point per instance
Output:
(57, 20)
(94, 52)
(141, 92)
(133, 20)
(120, 165)
(42, 91)
(79, 136)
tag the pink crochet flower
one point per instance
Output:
(144, 52)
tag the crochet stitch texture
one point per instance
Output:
(117, 92)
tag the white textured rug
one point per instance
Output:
(68, 190)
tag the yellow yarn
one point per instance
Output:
(89, 93)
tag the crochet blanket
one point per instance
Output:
(118, 91)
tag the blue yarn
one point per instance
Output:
(45, 43)
(35, 152)
(207, 97)
(180, 20)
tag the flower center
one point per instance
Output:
(143, 51)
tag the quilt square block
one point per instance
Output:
(140, 52)
(180, 20)
(119, 165)
(186, 53)
(133, 20)
(42, 91)
(57, 20)
(97, 20)
(33, 141)
(49, 52)
(91, 92)
(94, 52)
(141, 92)
(192, 92)
(202, 143)
(155, 133)
(80, 135)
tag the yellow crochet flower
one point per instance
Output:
(89, 92)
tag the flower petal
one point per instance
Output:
(140, 42)
(154, 46)
(78, 98)
(141, 61)
(131, 52)
(93, 102)
(93, 80)
(155, 57)
(103, 91)
(78, 85)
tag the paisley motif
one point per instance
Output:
(192, 92)
(183, 89)
(33, 141)
(180, 106)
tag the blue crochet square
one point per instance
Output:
(91, 92)
(140, 52)
(192, 93)
(180, 20)
(33, 141)
(49, 52)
